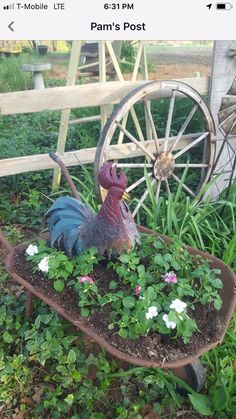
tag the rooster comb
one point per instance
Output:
(109, 176)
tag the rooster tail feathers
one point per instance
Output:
(61, 227)
(70, 240)
(65, 219)
(68, 203)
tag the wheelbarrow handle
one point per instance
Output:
(5, 242)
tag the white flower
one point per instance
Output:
(43, 264)
(169, 324)
(178, 305)
(32, 250)
(152, 312)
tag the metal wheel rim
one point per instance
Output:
(157, 90)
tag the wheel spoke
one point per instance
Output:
(169, 120)
(121, 134)
(194, 165)
(204, 135)
(167, 186)
(142, 199)
(151, 122)
(183, 128)
(158, 190)
(138, 182)
(138, 143)
(183, 185)
(134, 165)
(137, 124)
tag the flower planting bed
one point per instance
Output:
(154, 349)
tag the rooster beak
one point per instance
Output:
(126, 196)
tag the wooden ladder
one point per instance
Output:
(113, 50)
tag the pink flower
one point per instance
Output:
(86, 278)
(170, 277)
(137, 290)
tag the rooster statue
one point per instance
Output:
(73, 227)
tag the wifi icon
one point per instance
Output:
(9, 7)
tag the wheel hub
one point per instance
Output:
(163, 166)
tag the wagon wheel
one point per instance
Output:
(160, 148)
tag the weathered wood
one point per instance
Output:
(65, 116)
(223, 73)
(102, 78)
(38, 162)
(70, 97)
(85, 119)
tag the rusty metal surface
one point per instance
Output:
(227, 294)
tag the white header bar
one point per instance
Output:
(129, 20)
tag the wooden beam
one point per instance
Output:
(70, 97)
(65, 115)
(38, 162)
(85, 119)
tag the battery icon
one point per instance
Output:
(224, 6)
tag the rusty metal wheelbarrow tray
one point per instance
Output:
(228, 296)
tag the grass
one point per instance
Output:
(208, 225)
(12, 77)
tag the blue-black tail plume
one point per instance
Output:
(68, 220)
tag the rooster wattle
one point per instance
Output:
(74, 227)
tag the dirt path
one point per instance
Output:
(165, 63)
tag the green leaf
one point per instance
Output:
(217, 303)
(112, 285)
(7, 338)
(69, 399)
(201, 404)
(197, 273)
(71, 357)
(85, 312)
(58, 285)
(122, 333)
(217, 283)
(220, 398)
(159, 260)
(2, 365)
(76, 375)
(175, 265)
(69, 267)
(158, 244)
(233, 410)
(124, 258)
(168, 257)
(129, 302)
(111, 326)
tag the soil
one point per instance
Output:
(155, 347)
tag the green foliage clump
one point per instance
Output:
(49, 371)
(157, 278)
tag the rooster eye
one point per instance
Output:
(118, 172)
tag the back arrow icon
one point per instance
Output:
(10, 26)
(209, 6)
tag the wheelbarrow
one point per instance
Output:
(188, 368)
